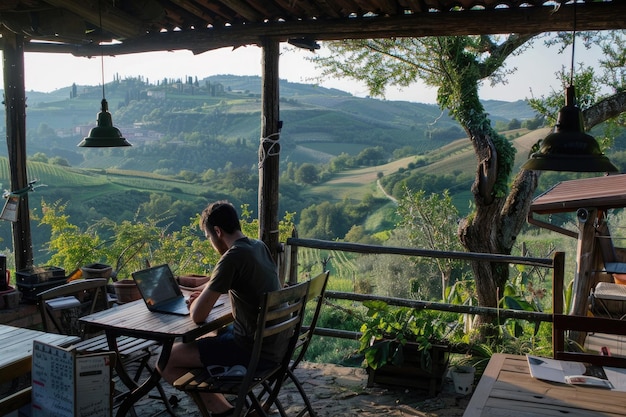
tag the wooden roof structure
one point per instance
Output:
(77, 26)
(604, 193)
(81, 28)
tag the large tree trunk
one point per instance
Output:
(497, 220)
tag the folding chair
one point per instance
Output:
(280, 311)
(317, 288)
(563, 322)
(564, 325)
(609, 299)
(62, 307)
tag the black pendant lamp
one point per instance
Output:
(104, 135)
(568, 147)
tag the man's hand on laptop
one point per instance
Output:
(193, 297)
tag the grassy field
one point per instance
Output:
(84, 184)
(357, 183)
(456, 156)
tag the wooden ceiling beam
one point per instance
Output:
(387, 7)
(416, 6)
(591, 16)
(192, 9)
(111, 19)
(297, 9)
(329, 8)
(265, 8)
(243, 9)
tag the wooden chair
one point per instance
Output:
(563, 325)
(280, 311)
(61, 308)
(610, 257)
(317, 288)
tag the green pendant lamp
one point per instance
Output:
(104, 135)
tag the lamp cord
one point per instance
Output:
(571, 75)
(101, 53)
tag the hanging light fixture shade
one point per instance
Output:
(304, 43)
(105, 135)
(568, 147)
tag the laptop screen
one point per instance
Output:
(156, 284)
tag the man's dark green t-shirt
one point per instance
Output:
(247, 271)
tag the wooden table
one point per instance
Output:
(134, 319)
(16, 349)
(506, 389)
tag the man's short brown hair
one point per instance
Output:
(221, 214)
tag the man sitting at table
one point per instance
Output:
(246, 270)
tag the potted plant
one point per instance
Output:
(404, 346)
(463, 378)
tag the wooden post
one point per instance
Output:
(585, 261)
(269, 149)
(15, 107)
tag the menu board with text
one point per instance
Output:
(69, 384)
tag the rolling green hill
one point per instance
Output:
(215, 123)
(198, 142)
(455, 156)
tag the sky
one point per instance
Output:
(536, 70)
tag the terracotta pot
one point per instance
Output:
(192, 280)
(126, 291)
(96, 271)
(619, 279)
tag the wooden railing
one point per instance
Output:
(556, 263)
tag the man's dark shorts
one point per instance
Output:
(222, 350)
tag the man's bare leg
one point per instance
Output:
(184, 357)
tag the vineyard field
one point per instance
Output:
(341, 265)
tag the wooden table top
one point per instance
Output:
(134, 319)
(507, 389)
(16, 347)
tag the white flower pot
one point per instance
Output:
(463, 379)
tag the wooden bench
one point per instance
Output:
(16, 360)
(21, 397)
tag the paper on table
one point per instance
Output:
(577, 373)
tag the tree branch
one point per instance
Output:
(604, 110)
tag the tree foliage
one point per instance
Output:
(432, 222)
(457, 66)
(130, 245)
(307, 174)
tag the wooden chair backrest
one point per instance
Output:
(280, 311)
(317, 288)
(564, 322)
(90, 293)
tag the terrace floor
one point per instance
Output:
(340, 391)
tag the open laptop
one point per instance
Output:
(160, 291)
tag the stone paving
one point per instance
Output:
(338, 391)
